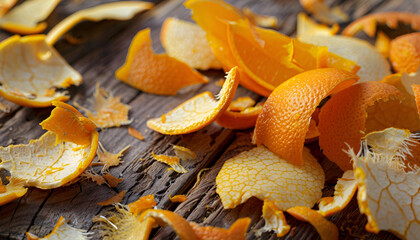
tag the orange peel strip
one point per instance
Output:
(155, 73)
(46, 164)
(187, 42)
(109, 111)
(383, 44)
(171, 161)
(388, 193)
(143, 203)
(344, 191)
(285, 118)
(25, 18)
(306, 26)
(326, 229)
(391, 19)
(184, 153)
(405, 53)
(240, 120)
(133, 132)
(236, 232)
(32, 85)
(260, 20)
(351, 113)
(199, 111)
(323, 13)
(123, 10)
(260, 173)
(109, 159)
(274, 220)
(62, 231)
(114, 199)
(111, 180)
(178, 198)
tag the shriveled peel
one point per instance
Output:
(388, 193)
(274, 220)
(187, 42)
(306, 26)
(32, 71)
(369, 22)
(260, 20)
(326, 229)
(171, 161)
(109, 159)
(28, 17)
(324, 13)
(111, 180)
(155, 73)
(260, 173)
(199, 111)
(344, 191)
(45, 163)
(108, 111)
(123, 10)
(114, 199)
(62, 231)
(142, 204)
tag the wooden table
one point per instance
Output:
(103, 51)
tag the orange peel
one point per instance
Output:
(5, 5)
(143, 203)
(260, 20)
(243, 119)
(241, 103)
(114, 199)
(108, 110)
(323, 13)
(391, 19)
(123, 10)
(155, 73)
(184, 153)
(26, 17)
(262, 174)
(274, 220)
(37, 70)
(133, 132)
(171, 161)
(405, 53)
(353, 112)
(44, 162)
(306, 26)
(285, 118)
(383, 44)
(187, 42)
(388, 192)
(199, 111)
(343, 193)
(109, 159)
(178, 198)
(111, 180)
(326, 229)
(62, 231)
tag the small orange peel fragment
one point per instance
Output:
(111, 180)
(383, 44)
(109, 159)
(93, 176)
(34, 70)
(274, 220)
(405, 53)
(133, 132)
(344, 191)
(155, 73)
(184, 153)
(62, 231)
(178, 198)
(143, 203)
(260, 173)
(236, 232)
(326, 229)
(323, 13)
(108, 110)
(199, 111)
(388, 193)
(114, 199)
(26, 17)
(260, 20)
(285, 118)
(187, 42)
(123, 10)
(306, 26)
(171, 161)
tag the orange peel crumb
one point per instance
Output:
(171, 161)
(143, 203)
(111, 180)
(114, 199)
(133, 132)
(178, 198)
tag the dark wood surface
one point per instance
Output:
(103, 51)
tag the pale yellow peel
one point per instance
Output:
(123, 10)
(274, 220)
(62, 231)
(184, 153)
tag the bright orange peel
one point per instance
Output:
(178, 198)
(405, 53)
(171, 161)
(243, 119)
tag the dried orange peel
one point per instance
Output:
(405, 53)
(114, 199)
(26, 17)
(391, 19)
(285, 118)
(388, 192)
(323, 13)
(34, 70)
(155, 73)
(171, 161)
(109, 159)
(344, 191)
(54, 159)
(199, 111)
(184, 153)
(187, 42)
(62, 231)
(355, 111)
(123, 10)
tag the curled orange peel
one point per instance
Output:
(387, 186)
(155, 73)
(123, 10)
(34, 70)
(178, 198)
(391, 19)
(353, 112)
(28, 17)
(171, 161)
(45, 163)
(187, 42)
(307, 26)
(62, 231)
(323, 13)
(260, 173)
(344, 191)
(404, 53)
(199, 111)
(326, 229)
(285, 117)
(274, 220)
